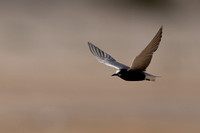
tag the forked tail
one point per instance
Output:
(150, 77)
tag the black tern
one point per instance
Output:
(137, 71)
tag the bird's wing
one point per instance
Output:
(105, 58)
(142, 61)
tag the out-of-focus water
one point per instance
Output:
(50, 82)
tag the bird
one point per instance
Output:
(137, 70)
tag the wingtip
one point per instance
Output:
(161, 27)
(89, 44)
(160, 31)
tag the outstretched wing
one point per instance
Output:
(143, 60)
(105, 58)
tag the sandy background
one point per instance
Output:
(50, 82)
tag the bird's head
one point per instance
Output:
(119, 73)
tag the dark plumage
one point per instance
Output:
(137, 70)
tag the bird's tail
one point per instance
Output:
(150, 77)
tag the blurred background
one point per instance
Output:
(50, 82)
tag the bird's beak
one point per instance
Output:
(115, 74)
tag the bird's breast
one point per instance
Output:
(133, 75)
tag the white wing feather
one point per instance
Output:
(105, 58)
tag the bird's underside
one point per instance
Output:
(136, 72)
(131, 75)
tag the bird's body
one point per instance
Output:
(127, 75)
(137, 71)
(136, 75)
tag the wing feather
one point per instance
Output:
(142, 61)
(105, 58)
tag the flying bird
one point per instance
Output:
(137, 71)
